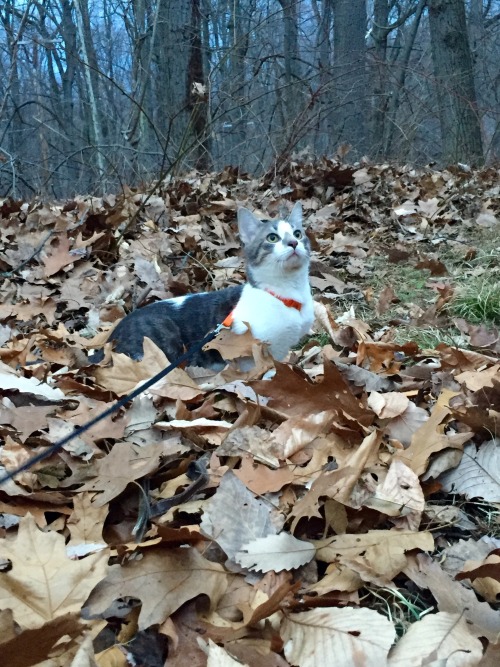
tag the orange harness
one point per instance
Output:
(289, 303)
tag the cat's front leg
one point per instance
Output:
(239, 327)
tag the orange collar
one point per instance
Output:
(289, 303)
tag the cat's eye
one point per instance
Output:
(272, 238)
(298, 234)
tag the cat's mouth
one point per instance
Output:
(292, 261)
(293, 255)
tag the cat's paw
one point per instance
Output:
(239, 327)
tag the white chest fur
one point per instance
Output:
(271, 321)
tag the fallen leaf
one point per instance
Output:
(231, 345)
(218, 657)
(430, 438)
(126, 374)
(294, 395)
(324, 317)
(435, 266)
(399, 495)
(261, 479)
(478, 473)
(114, 656)
(476, 380)
(485, 577)
(385, 300)
(253, 440)
(297, 432)
(448, 515)
(247, 520)
(404, 427)
(364, 378)
(328, 484)
(378, 555)
(275, 553)
(29, 386)
(125, 463)
(85, 525)
(26, 420)
(452, 597)
(353, 636)
(338, 484)
(163, 580)
(337, 578)
(58, 255)
(34, 646)
(43, 583)
(389, 405)
(441, 638)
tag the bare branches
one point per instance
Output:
(92, 98)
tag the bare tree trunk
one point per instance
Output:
(349, 52)
(451, 57)
(400, 65)
(90, 74)
(379, 66)
(12, 89)
(291, 54)
(142, 29)
(323, 50)
(198, 92)
(236, 87)
(172, 52)
(486, 99)
(68, 31)
(44, 171)
(62, 67)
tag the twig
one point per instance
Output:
(197, 471)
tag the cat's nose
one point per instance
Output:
(293, 243)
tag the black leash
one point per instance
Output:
(114, 408)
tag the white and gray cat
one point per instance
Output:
(275, 301)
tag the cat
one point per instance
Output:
(275, 302)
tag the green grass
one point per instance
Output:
(478, 301)
(472, 259)
(428, 338)
(411, 288)
(400, 606)
(489, 516)
(321, 338)
(474, 273)
(408, 283)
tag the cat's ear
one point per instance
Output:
(295, 217)
(248, 225)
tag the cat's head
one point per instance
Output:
(274, 245)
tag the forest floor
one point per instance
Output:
(349, 506)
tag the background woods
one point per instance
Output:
(94, 94)
(346, 503)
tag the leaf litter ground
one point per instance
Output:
(350, 506)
